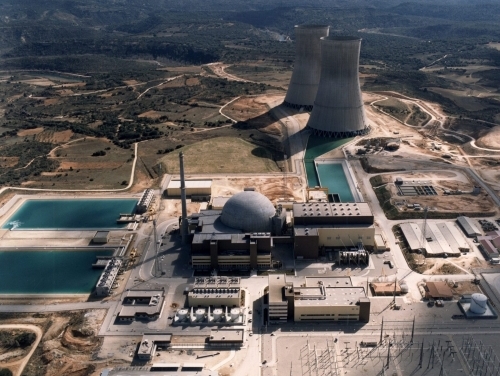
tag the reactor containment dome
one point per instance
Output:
(338, 108)
(307, 67)
(248, 211)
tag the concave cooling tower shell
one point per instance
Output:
(338, 108)
(307, 67)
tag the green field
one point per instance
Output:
(221, 155)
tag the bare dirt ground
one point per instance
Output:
(441, 180)
(491, 139)
(219, 69)
(68, 342)
(152, 114)
(272, 187)
(254, 111)
(8, 161)
(276, 74)
(30, 132)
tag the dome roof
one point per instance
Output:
(248, 211)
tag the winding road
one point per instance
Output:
(20, 364)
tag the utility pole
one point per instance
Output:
(285, 168)
(157, 261)
(412, 331)
(388, 353)
(381, 331)
(421, 354)
(395, 284)
(424, 230)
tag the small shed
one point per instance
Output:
(101, 237)
(386, 288)
(438, 290)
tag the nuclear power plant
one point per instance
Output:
(338, 108)
(307, 69)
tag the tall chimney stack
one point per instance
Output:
(184, 222)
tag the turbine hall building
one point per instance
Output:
(338, 108)
(307, 67)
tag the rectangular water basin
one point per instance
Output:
(42, 271)
(70, 214)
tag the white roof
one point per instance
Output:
(445, 238)
(193, 365)
(166, 365)
(190, 184)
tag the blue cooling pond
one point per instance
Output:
(84, 214)
(332, 176)
(49, 272)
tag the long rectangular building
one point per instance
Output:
(438, 239)
(468, 227)
(215, 292)
(193, 188)
(316, 299)
(316, 213)
(336, 226)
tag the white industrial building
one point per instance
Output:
(108, 276)
(194, 188)
(468, 227)
(316, 299)
(146, 200)
(438, 240)
(215, 292)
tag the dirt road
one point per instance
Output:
(18, 366)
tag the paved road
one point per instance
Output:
(23, 308)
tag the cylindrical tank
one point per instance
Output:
(217, 314)
(235, 313)
(307, 67)
(182, 314)
(199, 314)
(338, 108)
(478, 303)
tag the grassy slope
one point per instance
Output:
(221, 155)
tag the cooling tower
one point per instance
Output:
(307, 68)
(338, 108)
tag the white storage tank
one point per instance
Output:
(404, 288)
(218, 314)
(235, 314)
(200, 314)
(478, 303)
(182, 314)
